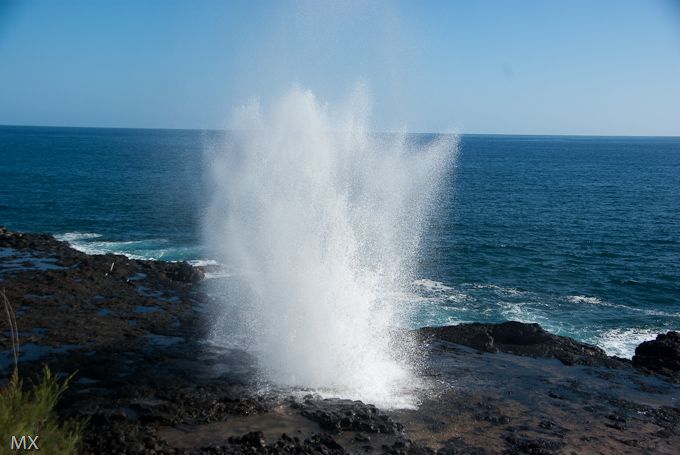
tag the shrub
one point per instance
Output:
(32, 412)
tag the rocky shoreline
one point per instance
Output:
(131, 331)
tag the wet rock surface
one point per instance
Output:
(132, 332)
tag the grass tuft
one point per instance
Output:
(33, 413)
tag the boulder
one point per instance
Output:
(661, 355)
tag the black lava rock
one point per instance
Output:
(339, 415)
(661, 355)
(184, 272)
(522, 339)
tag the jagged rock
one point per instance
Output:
(522, 339)
(661, 355)
(338, 415)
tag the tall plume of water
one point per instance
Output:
(322, 221)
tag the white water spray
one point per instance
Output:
(322, 221)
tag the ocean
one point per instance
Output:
(579, 234)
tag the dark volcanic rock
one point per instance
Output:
(42, 243)
(184, 272)
(522, 339)
(346, 415)
(661, 355)
(525, 446)
(67, 300)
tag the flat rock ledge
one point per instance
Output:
(523, 339)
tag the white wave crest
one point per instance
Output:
(622, 342)
(76, 236)
(585, 299)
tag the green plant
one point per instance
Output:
(31, 413)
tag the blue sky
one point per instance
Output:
(515, 67)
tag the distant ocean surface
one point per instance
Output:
(579, 234)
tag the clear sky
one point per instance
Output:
(535, 67)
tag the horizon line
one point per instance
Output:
(375, 132)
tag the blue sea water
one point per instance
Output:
(580, 234)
